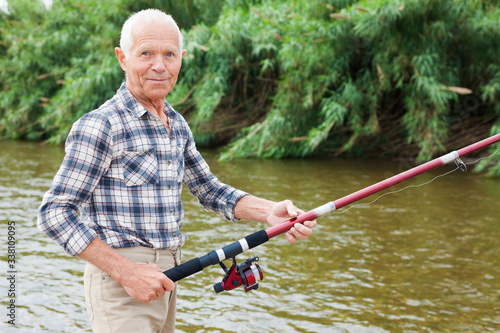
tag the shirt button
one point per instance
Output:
(169, 187)
(174, 234)
(171, 210)
(168, 163)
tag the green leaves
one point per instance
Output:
(46, 49)
(272, 79)
(377, 71)
(57, 64)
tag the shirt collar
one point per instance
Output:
(136, 108)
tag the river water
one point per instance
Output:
(426, 259)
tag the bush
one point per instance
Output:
(273, 79)
(377, 77)
(59, 63)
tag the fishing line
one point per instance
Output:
(397, 191)
(459, 167)
(484, 158)
(282, 239)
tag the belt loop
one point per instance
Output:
(157, 256)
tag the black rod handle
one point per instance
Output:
(214, 257)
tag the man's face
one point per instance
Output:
(154, 61)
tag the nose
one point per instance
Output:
(159, 65)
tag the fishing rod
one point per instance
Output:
(248, 272)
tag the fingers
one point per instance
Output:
(148, 283)
(286, 209)
(300, 231)
(158, 290)
(290, 237)
(168, 285)
(290, 208)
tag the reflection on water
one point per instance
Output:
(422, 260)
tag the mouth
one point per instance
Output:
(157, 80)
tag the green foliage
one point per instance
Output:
(349, 79)
(274, 78)
(369, 62)
(186, 12)
(59, 63)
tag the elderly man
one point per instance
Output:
(115, 201)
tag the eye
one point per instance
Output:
(145, 53)
(170, 54)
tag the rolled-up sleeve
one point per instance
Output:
(88, 156)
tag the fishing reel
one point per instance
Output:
(245, 274)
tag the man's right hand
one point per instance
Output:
(146, 282)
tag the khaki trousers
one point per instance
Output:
(112, 310)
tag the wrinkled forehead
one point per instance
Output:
(155, 31)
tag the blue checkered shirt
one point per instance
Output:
(121, 180)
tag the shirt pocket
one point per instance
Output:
(140, 167)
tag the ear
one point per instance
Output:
(183, 53)
(121, 58)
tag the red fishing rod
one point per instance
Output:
(246, 273)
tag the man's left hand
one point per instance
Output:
(285, 210)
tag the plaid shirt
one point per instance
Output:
(121, 180)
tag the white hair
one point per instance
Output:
(146, 15)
